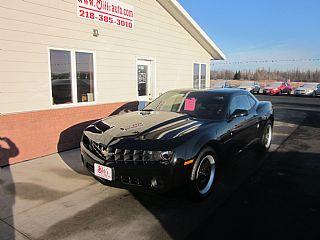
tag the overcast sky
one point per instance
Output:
(261, 30)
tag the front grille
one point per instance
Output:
(134, 181)
(120, 156)
(130, 157)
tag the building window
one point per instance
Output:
(61, 79)
(85, 83)
(199, 76)
(71, 84)
(196, 76)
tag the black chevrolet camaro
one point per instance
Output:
(177, 139)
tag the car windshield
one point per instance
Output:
(274, 85)
(246, 84)
(309, 85)
(203, 105)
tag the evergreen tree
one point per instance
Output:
(235, 76)
(239, 75)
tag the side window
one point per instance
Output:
(239, 102)
(252, 101)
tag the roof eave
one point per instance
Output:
(183, 17)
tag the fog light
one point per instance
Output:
(157, 183)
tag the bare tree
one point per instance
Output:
(264, 74)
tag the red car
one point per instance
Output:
(277, 88)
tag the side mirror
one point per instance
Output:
(239, 113)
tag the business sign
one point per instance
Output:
(107, 11)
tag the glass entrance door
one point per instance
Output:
(144, 81)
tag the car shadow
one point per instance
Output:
(8, 150)
(281, 201)
(178, 214)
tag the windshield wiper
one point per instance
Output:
(191, 115)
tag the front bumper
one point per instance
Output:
(139, 177)
(304, 93)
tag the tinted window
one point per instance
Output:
(60, 63)
(85, 85)
(204, 105)
(239, 102)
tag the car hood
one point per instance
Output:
(271, 88)
(304, 88)
(143, 126)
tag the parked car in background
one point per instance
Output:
(220, 84)
(308, 89)
(278, 88)
(179, 138)
(250, 86)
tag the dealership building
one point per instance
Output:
(66, 63)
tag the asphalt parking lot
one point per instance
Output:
(274, 196)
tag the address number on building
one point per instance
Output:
(107, 11)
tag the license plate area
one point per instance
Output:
(103, 172)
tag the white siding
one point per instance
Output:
(29, 28)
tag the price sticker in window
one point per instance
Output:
(190, 104)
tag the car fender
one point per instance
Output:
(199, 141)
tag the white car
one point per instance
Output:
(220, 84)
(250, 86)
(308, 89)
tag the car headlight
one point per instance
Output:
(166, 155)
(163, 156)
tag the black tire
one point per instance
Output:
(266, 138)
(314, 94)
(201, 184)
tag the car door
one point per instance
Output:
(256, 87)
(241, 129)
(318, 89)
(284, 88)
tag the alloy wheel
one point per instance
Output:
(205, 174)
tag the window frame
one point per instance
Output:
(200, 68)
(74, 87)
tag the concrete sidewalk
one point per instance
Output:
(54, 198)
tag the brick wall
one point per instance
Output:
(29, 135)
